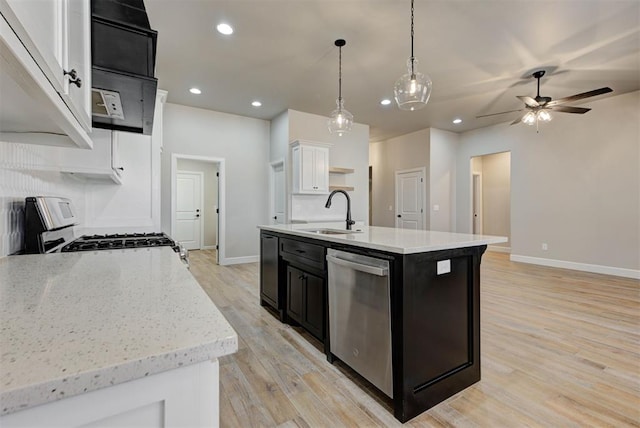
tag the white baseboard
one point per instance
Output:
(499, 249)
(585, 267)
(239, 260)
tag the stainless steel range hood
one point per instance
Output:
(123, 51)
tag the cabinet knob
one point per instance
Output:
(73, 77)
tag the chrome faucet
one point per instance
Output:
(328, 205)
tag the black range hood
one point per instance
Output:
(123, 55)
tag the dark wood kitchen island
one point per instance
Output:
(434, 300)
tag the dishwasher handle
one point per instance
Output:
(374, 270)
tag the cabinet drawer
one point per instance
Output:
(306, 253)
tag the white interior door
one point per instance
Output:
(278, 193)
(188, 209)
(409, 200)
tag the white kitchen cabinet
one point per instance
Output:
(45, 57)
(188, 396)
(310, 163)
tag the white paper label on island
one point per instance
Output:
(444, 266)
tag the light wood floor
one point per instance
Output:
(559, 348)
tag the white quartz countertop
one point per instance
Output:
(76, 322)
(400, 241)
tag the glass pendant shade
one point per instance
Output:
(412, 90)
(341, 120)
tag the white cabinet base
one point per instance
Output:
(187, 396)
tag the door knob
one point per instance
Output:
(197, 215)
(275, 217)
(399, 216)
(197, 211)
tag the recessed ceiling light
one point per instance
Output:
(195, 91)
(225, 29)
(457, 120)
(256, 103)
(385, 102)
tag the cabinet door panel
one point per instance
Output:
(269, 269)
(321, 169)
(307, 166)
(79, 59)
(295, 293)
(40, 25)
(314, 309)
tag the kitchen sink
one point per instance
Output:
(331, 231)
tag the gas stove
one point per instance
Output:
(49, 225)
(119, 241)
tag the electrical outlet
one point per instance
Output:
(545, 247)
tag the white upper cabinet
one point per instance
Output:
(310, 162)
(45, 57)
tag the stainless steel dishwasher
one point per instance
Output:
(360, 315)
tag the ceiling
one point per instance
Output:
(479, 54)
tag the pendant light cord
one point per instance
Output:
(340, 73)
(413, 74)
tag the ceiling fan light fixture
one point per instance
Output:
(341, 120)
(529, 118)
(412, 90)
(544, 116)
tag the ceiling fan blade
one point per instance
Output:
(518, 120)
(495, 114)
(568, 109)
(579, 96)
(529, 101)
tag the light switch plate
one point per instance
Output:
(443, 266)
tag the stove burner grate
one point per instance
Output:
(118, 241)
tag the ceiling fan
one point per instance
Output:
(538, 108)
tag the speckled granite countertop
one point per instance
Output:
(393, 240)
(76, 322)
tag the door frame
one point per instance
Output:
(202, 208)
(272, 166)
(423, 171)
(479, 199)
(222, 260)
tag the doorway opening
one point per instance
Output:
(491, 197)
(197, 203)
(411, 199)
(277, 192)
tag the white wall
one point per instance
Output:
(349, 151)
(279, 137)
(442, 180)
(244, 144)
(575, 185)
(396, 154)
(210, 190)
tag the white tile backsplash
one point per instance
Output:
(310, 208)
(19, 178)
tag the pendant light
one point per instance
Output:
(340, 120)
(412, 91)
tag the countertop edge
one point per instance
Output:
(93, 380)
(486, 240)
